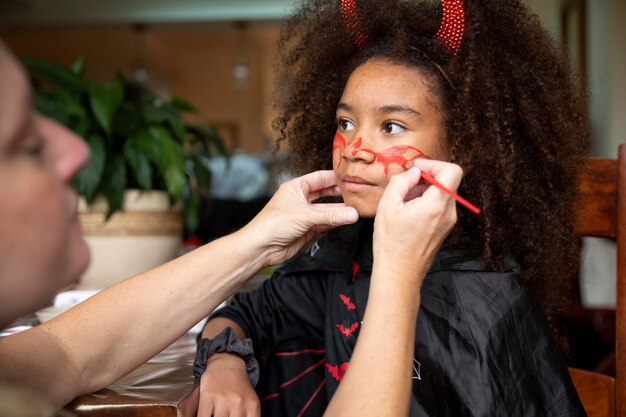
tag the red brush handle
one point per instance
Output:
(451, 193)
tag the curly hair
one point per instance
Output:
(514, 118)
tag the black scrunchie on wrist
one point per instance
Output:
(226, 342)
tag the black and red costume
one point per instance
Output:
(482, 344)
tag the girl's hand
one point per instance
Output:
(225, 390)
(414, 217)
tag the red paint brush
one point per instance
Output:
(451, 193)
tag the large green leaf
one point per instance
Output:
(50, 105)
(210, 137)
(69, 102)
(183, 105)
(139, 163)
(127, 120)
(78, 66)
(144, 142)
(201, 173)
(114, 183)
(56, 74)
(159, 113)
(104, 101)
(172, 165)
(88, 179)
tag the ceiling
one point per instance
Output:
(139, 11)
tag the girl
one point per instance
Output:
(475, 82)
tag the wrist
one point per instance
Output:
(253, 245)
(249, 250)
(226, 361)
(226, 343)
(400, 283)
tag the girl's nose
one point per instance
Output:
(356, 150)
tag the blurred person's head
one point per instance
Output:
(41, 247)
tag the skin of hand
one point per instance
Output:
(225, 388)
(293, 225)
(92, 345)
(412, 221)
(414, 217)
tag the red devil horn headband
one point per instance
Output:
(450, 31)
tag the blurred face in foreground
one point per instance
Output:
(41, 247)
(386, 118)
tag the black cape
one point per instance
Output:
(482, 344)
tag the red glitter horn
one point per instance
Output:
(452, 25)
(353, 23)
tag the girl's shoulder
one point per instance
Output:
(462, 284)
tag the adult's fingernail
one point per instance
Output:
(350, 215)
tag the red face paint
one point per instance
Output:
(339, 143)
(397, 155)
(394, 155)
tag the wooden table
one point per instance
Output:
(162, 387)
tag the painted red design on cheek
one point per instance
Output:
(397, 155)
(356, 148)
(394, 155)
(339, 143)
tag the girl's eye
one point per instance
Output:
(393, 128)
(344, 125)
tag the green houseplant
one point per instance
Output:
(137, 139)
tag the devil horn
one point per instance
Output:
(352, 21)
(452, 25)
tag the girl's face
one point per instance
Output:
(41, 248)
(386, 118)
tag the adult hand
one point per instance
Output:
(290, 220)
(413, 217)
(225, 389)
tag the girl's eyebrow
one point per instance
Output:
(399, 109)
(395, 108)
(345, 107)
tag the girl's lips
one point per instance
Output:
(356, 184)
(355, 180)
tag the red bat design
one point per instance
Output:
(337, 371)
(348, 332)
(348, 302)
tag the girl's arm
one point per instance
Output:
(407, 235)
(115, 331)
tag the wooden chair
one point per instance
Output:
(602, 213)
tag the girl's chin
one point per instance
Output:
(365, 211)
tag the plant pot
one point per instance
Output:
(146, 234)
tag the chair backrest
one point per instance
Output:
(602, 213)
(596, 391)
